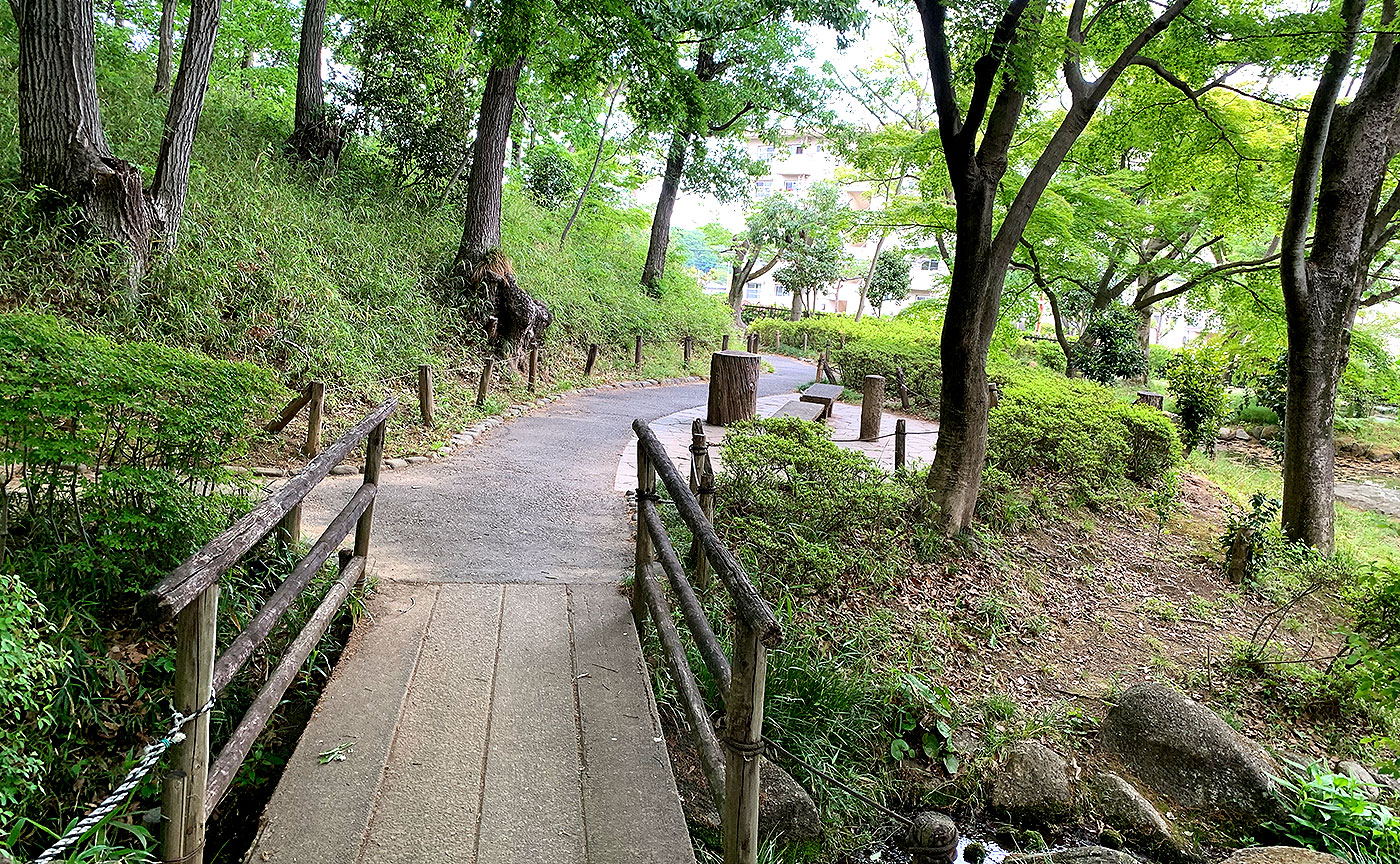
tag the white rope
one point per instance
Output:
(149, 757)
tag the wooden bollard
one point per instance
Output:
(534, 369)
(702, 481)
(804, 342)
(289, 529)
(687, 345)
(777, 340)
(485, 384)
(903, 390)
(725, 345)
(592, 358)
(425, 394)
(872, 406)
(900, 432)
(637, 354)
(313, 419)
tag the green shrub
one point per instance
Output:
(1196, 380)
(1256, 415)
(549, 176)
(807, 512)
(1158, 359)
(29, 670)
(1075, 439)
(1109, 348)
(1046, 353)
(920, 362)
(1334, 813)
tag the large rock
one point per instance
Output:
(1281, 855)
(1032, 785)
(1123, 807)
(785, 810)
(1183, 752)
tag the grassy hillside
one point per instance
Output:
(325, 275)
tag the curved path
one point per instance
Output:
(493, 706)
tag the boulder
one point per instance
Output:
(1123, 807)
(1281, 855)
(1183, 752)
(1388, 781)
(1358, 772)
(1077, 855)
(1032, 785)
(1380, 454)
(784, 808)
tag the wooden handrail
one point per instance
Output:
(749, 605)
(199, 571)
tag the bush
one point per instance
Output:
(1158, 359)
(1109, 348)
(1196, 381)
(1335, 814)
(807, 512)
(29, 669)
(920, 362)
(549, 176)
(1075, 439)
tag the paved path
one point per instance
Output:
(494, 706)
(1370, 496)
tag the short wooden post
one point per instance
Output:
(872, 406)
(534, 372)
(724, 346)
(484, 385)
(687, 345)
(899, 443)
(313, 419)
(425, 394)
(374, 459)
(646, 485)
(743, 752)
(592, 358)
(637, 352)
(183, 794)
(289, 529)
(804, 342)
(903, 390)
(777, 340)
(702, 483)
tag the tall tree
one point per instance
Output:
(62, 145)
(977, 136)
(315, 133)
(165, 49)
(1340, 217)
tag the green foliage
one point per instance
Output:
(29, 669)
(1158, 359)
(1336, 814)
(1074, 440)
(891, 280)
(1196, 380)
(1371, 377)
(812, 515)
(549, 176)
(1109, 348)
(920, 362)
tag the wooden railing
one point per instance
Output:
(190, 596)
(731, 767)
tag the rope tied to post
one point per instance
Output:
(150, 756)
(747, 749)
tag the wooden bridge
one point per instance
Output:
(493, 705)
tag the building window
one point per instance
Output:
(764, 188)
(800, 148)
(928, 264)
(790, 185)
(751, 290)
(779, 290)
(766, 151)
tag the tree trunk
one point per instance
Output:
(314, 135)
(172, 178)
(665, 206)
(1315, 363)
(796, 313)
(165, 54)
(1144, 334)
(733, 387)
(513, 320)
(592, 172)
(967, 336)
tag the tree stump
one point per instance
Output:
(733, 387)
(872, 407)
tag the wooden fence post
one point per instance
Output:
(725, 345)
(183, 798)
(743, 752)
(702, 483)
(289, 529)
(637, 354)
(484, 384)
(777, 340)
(534, 368)
(804, 342)
(899, 444)
(646, 485)
(686, 347)
(374, 458)
(872, 407)
(313, 419)
(903, 390)
(592, 358)
(425, 394)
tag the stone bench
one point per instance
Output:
(824, 395)
(812, 411)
